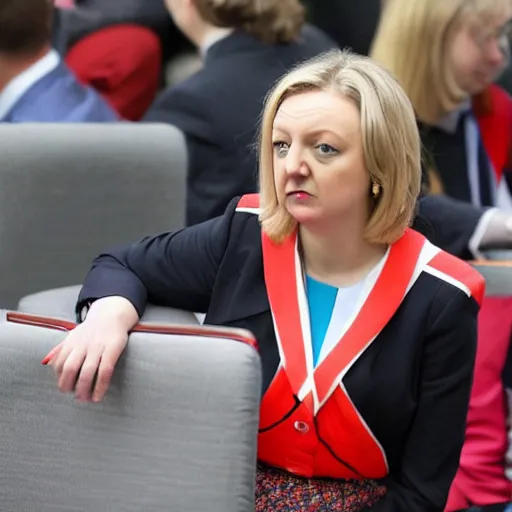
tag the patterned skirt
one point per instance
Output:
(279, 491)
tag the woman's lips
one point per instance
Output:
(300, 195)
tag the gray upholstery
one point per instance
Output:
(60, 303)
(176, 432)
(499, 255)
(69, 192)
(498, 277)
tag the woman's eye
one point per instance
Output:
(281, 148)
(326, 150)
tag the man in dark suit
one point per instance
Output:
(218, 108)
(35, 86)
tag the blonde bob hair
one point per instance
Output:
(390, 140)
(411, 41)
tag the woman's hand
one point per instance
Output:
(84, 362)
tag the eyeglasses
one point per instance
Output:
(501, 37)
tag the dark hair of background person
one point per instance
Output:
(25, 26)
(272, 21)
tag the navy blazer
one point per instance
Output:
(411, 386)
(58, 97)
(450, 223)
(218, 110)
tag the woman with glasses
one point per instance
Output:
(446, 54)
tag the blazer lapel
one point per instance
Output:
(381, 297)
(381, 302)
(288, 305)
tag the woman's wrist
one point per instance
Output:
(114, 308)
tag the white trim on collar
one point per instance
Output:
(20, 84)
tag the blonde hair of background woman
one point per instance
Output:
(411, 42)
(390, 139)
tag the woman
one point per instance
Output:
(366, 331)
(445, 55)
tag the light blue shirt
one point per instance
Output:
(321, 299)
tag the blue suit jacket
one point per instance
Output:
(58, 97)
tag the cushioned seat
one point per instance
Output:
(176, 432)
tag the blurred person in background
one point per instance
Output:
(35, 85)
(116, 47)
(446, 54)
(246, 46)
(80, 18)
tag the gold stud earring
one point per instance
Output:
(375, 190)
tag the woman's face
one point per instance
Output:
(479, 50)
(319, 168)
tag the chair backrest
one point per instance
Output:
(498, 277)
(69, 192)
(176, 431)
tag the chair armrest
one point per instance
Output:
(497, 275)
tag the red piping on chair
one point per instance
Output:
(239, 335)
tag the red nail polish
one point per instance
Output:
(46, 360)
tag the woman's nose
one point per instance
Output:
(499, 52)
(295, 162)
